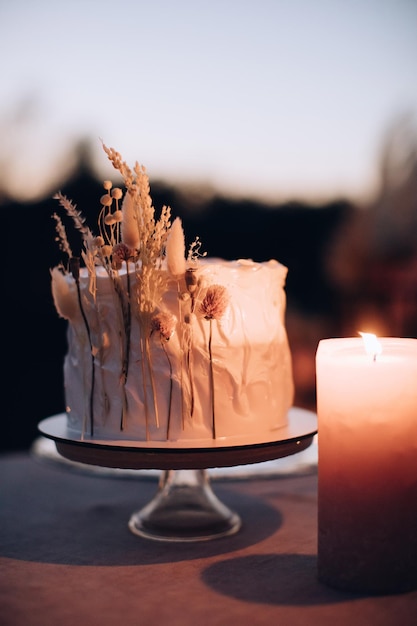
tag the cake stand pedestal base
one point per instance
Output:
(184, 509)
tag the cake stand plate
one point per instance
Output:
(184, 508)
(295, 437)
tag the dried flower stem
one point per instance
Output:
(145, 397)
(182, 383)
(213, 306)
(163, 342)
(175, 250)
(127, 316)
(190, 367)
(192, 284)
(212, 393)
(164, 323)
(76, 274)
(151, 378)
(187, 393)
(125, 329)
(147, 371)
(100, 356)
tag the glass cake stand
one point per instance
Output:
(184, 508)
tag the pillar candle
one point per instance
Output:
(367, 469)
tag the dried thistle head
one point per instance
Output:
(121, 252)
(214, 302)
(164, 323)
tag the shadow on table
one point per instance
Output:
(276, 579)
(50, 515)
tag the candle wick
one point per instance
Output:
(374, 357)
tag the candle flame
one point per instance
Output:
(372, 345)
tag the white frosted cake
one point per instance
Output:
(165, 346)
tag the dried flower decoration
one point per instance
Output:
(130, 225)
(165, 323)
(130, 233)
(116, 193)
(214, 303)
(61, 237)
(77, 217)
(74, 262)
(213, 307)
(192, 283)
(175, 250)
(121, 252)
(188, 299)
(75, 271)
(194, 251)
(148, 235)
(64, 295)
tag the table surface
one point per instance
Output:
(67, 556)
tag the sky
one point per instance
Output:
(273, 99)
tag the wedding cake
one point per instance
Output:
(167, 345)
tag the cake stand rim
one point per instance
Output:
(297, 436)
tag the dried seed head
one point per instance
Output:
(164, 323)
(214, 303)
(122, 252)
(106, 250)
(106, 200)
(99, 241)
(190, 277)
(116, 193)
(109, 219)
